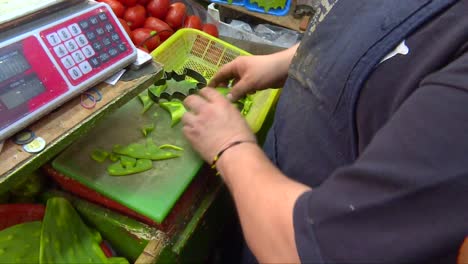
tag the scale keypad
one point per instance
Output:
(85, 44)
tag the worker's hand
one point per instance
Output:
(250, 74)
(212, 123)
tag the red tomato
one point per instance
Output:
(145, 37)
(158, 8)
(116, 6)
(176, 14)
(144, 49)
(211, 29)
(143, 2)
(129, 2)
(162, 28)
(193, 22)
(125, 26)
(135, 16)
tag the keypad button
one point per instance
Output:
(102, 16)
(67, 61)
(104, 57)
(122, 47)
(100, 31)
(75, 73)
(106, 41)
(81, 40)
(85, 67)
(74, 29)
(95, 62)
(91, 35)
(93, 20)
(78, 56)
(115, 37)
(113, 52)
(98, 46)
(60, 50)
(88, 51)
(64, 34)
(53, 39)
(71, 45)
(109, 27)
(84, 24)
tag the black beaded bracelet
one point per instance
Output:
(216, 158)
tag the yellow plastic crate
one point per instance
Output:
(194, 49)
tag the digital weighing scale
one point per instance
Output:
(52, 50)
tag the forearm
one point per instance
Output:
(264, 199)
(284, 59)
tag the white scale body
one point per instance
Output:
(45, 62)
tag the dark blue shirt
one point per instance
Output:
(399, 192)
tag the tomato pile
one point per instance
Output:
(151, 22)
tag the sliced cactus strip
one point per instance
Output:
(20, 243)
(170, 146)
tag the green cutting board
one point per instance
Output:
(151, 193)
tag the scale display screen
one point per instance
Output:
(21, 91)
(11, 64)
(53, 60)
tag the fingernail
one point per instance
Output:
(229, 97)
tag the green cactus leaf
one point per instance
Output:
(140, 165)
(65, 238)
(126, 235)
(117, 260)
(269, 4)
(140, 151)
(20, 243)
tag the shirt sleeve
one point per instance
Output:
(405, 198)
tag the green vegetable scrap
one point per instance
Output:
(176, 109)
(65, 238)
(128, 162)
(114, 157)
(149, 151)
(245, 103)
(269, 4)
(157, 89)
(119, 169)
(229, 2)
(181, 86)
(99, 155)
(146, 101)
(147, 129)
(20, 243)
